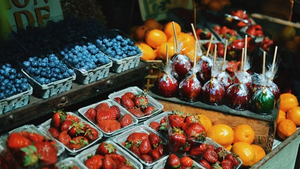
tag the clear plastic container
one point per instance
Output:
(110, 103)
(46, 125)
(81, 158)
(158, 118)
(134, 89)
(119, 139)
(68, 162)
(161, 164)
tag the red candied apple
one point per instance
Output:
(213, 92)
(190, 88)
(205, 64)
(224, 79)
(181, 66)
(245, 78)
(238, 96)
(166, 85)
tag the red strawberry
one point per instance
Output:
(154, 154)
(177, 137)
(34, 137)
(126, 120)
(174, 161)
(76, 129)
(91, 134)
(148, 159)
(192, 119)
(109, 126)
(185, 147)
(27, 156)
(73, 118)
(17, 141)
(65, 126)
(106, 114)
(130, 95)
(118, 158)
(64, 138)
(47, 152)
(216, 166)
(54, 132)
(136, 111)
(205, 164)
(221, 153)
(184, 126)
(227, 164)
(109, 163)
(141, 101)
(125, 166)
(94, 162)
(234, 158)
(101, 106)
(211, 156)
(186, 162)
(154, 139)
(78, 142)
(176, 121)
(210, 146)
(127, 102)
(117, 109)
(195, 132)
(118, 100)
(198, 150)
(91, 114)
(133, 148)
(145, 146)
(106, 148)
(58, 117)
(154, 125)
(148, 110)
(136, 138)
(160, 148)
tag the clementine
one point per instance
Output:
(287, 101)
(152, 24)
(188, 49)
(280, 116)
(148, 53)
(245, 152)
(140, 33)
(162, 50)
(229, 148)
(155, 38)
(169, 31)
(221, 134)
(182, 37)
(206, 122)
(259, 152)
(243, 133)
(286, 128)
(294, 115)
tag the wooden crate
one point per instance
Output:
(156, 69)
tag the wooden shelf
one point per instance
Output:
(38, 107)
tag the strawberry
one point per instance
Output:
(73, 118)
(28, 155)
(148, 159)
(154, 125)
(118, 158)
(91, 114)
(118, 100)
(136, 138)
(17, 141)
(160, 148)
(117, 109)
(91, 134)
(154, 139)
(94, 162)
(127, 102)
(234, 158)
(184, 126)
(109, 126)
(211, 146)
(145, 146)
(141, 101)
(109, 163)
(186, 162)
(126, 120)
(221, 153)
(185, 147)
(58, 117)
(106, 114)
(101, 106)
(133, 148)
(34, 137)
(65, 125)
(54, 132)
(64, 138)
(176, 121)
(192, 119)
(195, 132)
(130, 95)
(126, 166)
(46, 152)
(174, 161)
(216, 166)
(148, 110)
(227, 164)
(154, 154)
(136, 111)
(177, 136)
(205, 164)
(78, 142)
(198, 150)
(76, 129)
(106, 148)
(210, 156)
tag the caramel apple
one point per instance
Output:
(166, 85)
(213, 92)
(181, 66)
(189, 89)
(205, 64)
(238, 96)
(224, 79)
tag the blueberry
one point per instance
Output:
(26, 63)
(105, 41)
(47, 81)
(24, 80)
(12, 77)
(51, 64)
(7, 65)
(2, 96)
(70, 72)
(119, 37)
(34, 64)
(60, 77)
(53, 79)
(43, 73)
(1, 78)
(31, 59)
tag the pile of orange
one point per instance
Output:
(288, 118)
(158, 37)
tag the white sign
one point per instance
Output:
(22, 13)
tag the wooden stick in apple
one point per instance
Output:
(175, 37)
(242, 60)
(195, 56)
(225, 51)
(167, 55)
(246, 45)
(209, 45)
(263, 71)
(274, 59)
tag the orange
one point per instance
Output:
(222, 134)
(287, 101)
(243, 133)
(148, 53)
(286, 128)
(162, 52)
(152, 24)
(155, 38)
(169, 31)
(294, 115)
(280, 116)
(206, 122)
(182, 37)
(245, 151)
(259, 152)
(140, 33)
(229, 148)
(188, 49)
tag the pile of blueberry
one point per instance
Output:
(116, 46)
(12, 82)
(84, 56)
(47, 69)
